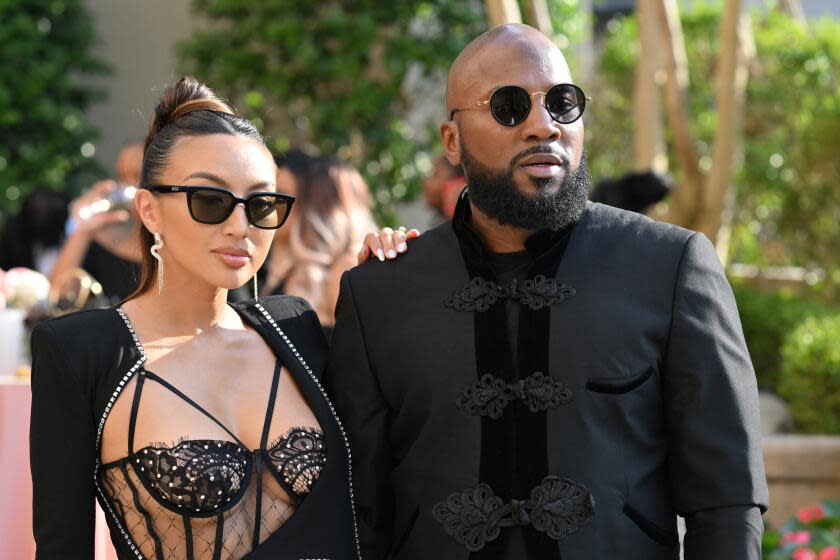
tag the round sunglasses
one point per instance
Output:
(213, 205)
(511, 105)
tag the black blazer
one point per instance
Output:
(661, 418)
(80, 364)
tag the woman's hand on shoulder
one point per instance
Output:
(387, 243)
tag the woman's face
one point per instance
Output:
(224, 255)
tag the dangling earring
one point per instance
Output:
(154, 251)
(256, 293)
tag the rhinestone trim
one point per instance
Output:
(294, 350)
(105, 414)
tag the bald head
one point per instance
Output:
(488, 59)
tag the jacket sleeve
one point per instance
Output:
(61, 443)
(352, 382)
(715, 455)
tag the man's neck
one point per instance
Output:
(498, 238)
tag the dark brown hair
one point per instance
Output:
(188, 108)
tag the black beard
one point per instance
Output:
(557, 204)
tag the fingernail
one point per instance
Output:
(402, 247)
(391, 253)
(380, 255)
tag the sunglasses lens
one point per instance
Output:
(210, 207)
(565, 103)
(510, 105)
(267, 211)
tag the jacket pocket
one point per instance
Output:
(618, 385)
(400, 543)
(653, 531)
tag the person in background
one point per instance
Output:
(636, 192)
(103, 237)
(321, 239)
(442, 188)
(32, 238)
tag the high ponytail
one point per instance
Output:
(188, 108)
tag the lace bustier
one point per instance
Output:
(210, 498)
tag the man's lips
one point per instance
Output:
(543, 166)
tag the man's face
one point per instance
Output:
(538, 157)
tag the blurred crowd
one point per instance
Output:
(98, 233)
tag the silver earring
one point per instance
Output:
(256, 293)
(154, 251)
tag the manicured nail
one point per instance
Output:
(380, 255)
(402, 247)
(391, 253)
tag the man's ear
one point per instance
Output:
(451, 138)
(146, 205)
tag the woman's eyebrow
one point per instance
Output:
(218, 180)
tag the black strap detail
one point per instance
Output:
(188, 537)
(154, 377)
(258, 457)
(220, 542)
(135, 406)
(146, 515)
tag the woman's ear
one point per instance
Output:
(451, 139)
(146, 205)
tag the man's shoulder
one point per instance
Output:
(432, 248)
(604, 224)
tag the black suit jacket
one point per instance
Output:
(81, 362)
(663, 417)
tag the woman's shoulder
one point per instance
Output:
(280, 307)
(80, 325)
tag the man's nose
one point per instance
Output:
(539, 125)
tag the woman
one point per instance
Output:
(201, 427)
(320, 241)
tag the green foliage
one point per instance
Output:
(767, 319)
(44, 136)
(332, 74)
(363, 80)
(788, 206)
(810, 376)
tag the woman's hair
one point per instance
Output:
(188, 108)
(333, 216)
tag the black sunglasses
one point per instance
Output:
(213, 205)
(511, 105)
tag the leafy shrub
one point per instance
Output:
(767, 319)
(810, 375)
(788, 208)
(45, 139)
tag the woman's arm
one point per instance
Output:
(62, 453)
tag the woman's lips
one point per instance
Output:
(233, 260)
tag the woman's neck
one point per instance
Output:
(182, 308)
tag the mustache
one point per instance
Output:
(541, 149)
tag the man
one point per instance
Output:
(544, 377)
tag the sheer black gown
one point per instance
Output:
(195, 498)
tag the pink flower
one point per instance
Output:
(811, 513)
(830, 553)
(796, 537)
(804, 554)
